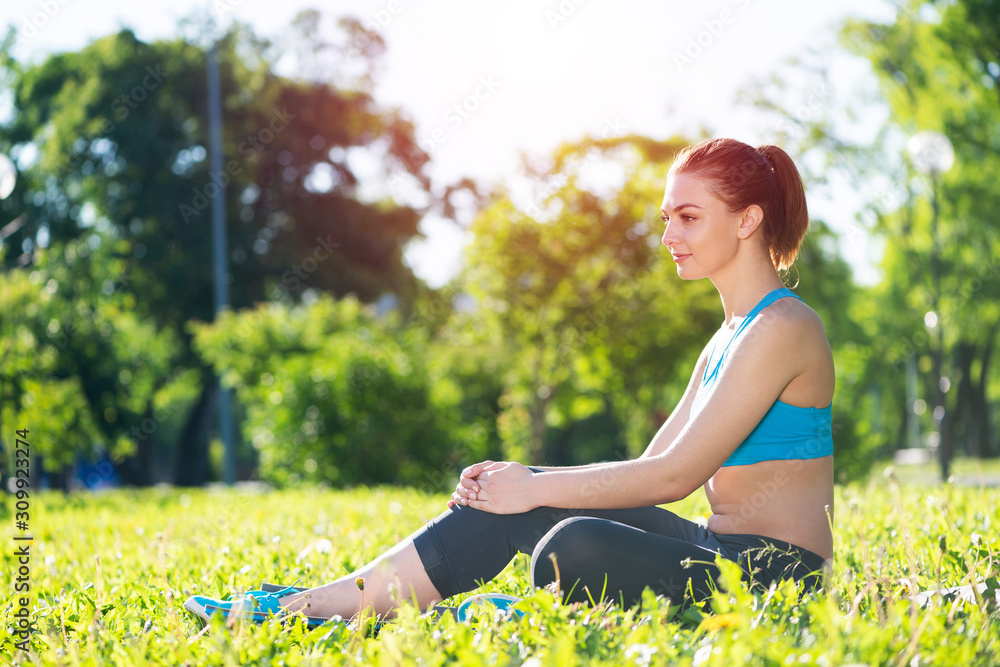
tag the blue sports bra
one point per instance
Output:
(786, 431)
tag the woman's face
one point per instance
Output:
(701, 232)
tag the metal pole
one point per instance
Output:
(219, 245)
(944, 453)
(912, 423)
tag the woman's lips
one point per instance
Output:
(680, 257)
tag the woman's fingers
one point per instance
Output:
(474, 470)
(457, 499)
(468, 487)
(464, 492)
(469, 490)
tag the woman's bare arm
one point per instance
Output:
(759, 370)
(468, 485)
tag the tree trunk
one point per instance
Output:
(985, 446)
(971, 423)
(57, 480)
(536, 450)
(962, 425)
(137, 469)
(191, 465)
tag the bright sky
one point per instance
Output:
(530, 74)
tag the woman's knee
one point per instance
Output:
(564, 549)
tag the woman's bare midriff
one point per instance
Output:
(785, 500)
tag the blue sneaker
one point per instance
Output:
(497, 601)
(255, 606)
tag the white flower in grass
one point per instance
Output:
(641, 652)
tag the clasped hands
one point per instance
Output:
(500, 487)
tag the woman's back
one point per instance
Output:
(780, 483)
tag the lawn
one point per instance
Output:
(109, 571)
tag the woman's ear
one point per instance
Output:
(752, 217)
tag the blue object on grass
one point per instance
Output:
(498, 601)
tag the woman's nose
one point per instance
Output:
(668, 239)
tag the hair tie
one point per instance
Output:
(767, 157)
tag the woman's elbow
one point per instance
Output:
(674, 488)
(676, 492)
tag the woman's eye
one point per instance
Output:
(687, 218)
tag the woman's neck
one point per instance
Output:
(742, 288)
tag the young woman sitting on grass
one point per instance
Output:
(753, 429)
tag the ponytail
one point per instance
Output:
(790, 217)
(741, 175)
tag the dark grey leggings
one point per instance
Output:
(614, 552)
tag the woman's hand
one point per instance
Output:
(499, 487)
(467, 486)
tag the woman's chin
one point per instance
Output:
(686, 274)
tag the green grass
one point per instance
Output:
(965, 471)
(110, 571)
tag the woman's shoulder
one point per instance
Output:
(790, 330)
(787, 316)
(801, 344)
(796, 317)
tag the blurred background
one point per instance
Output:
(370, 242)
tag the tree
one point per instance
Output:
(80, 369)
(938, 65)
(575, 296)
(334, 394)
(111, 144)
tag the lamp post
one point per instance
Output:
(219, 248)
(932, 154)
(8, 179)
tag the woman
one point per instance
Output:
(753, 428)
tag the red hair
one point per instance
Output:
(741, 175)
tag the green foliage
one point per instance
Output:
(578, 298)
(823, 279)
(117, 133)
(332, 394)
(111, 144)
(598, 333)
(79, 364)
(938, 68)
(109, 574)
(934, 66)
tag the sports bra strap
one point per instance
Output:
(768, 299)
